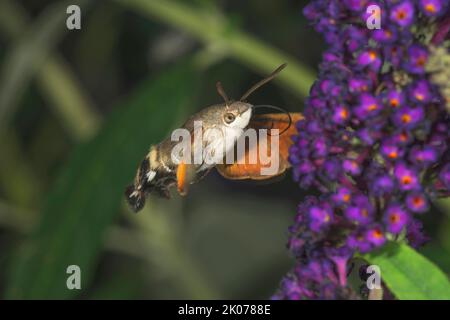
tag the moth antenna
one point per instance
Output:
(222, 93)
(289, 125)
(278, 109)
(263, 81)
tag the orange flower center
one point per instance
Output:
(377, 234)
(406, 180)
(430, 8)
(418, 201)
(421, 61)
(406, 118)
(346, 197)
(377, 14)
(394, 102)
(394, 218)
(344, 114)
(372, 107)
(393, 154)
(401, 15)
(419, 96)
(403, 137)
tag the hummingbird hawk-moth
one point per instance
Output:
(159, 171)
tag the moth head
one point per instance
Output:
(236, 114)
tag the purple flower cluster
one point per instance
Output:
(375, 140)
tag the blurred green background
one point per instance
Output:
(78, 111)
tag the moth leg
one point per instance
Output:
(203, 174)
(164, 192)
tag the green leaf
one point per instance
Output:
(408, 274)
(32, 56)
(87, 197)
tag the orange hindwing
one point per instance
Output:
(245, 169)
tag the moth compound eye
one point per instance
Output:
(229, 118)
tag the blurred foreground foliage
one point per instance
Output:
(87, 196)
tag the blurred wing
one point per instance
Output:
(242, 169)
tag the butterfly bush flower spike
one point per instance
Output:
(375, 140)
